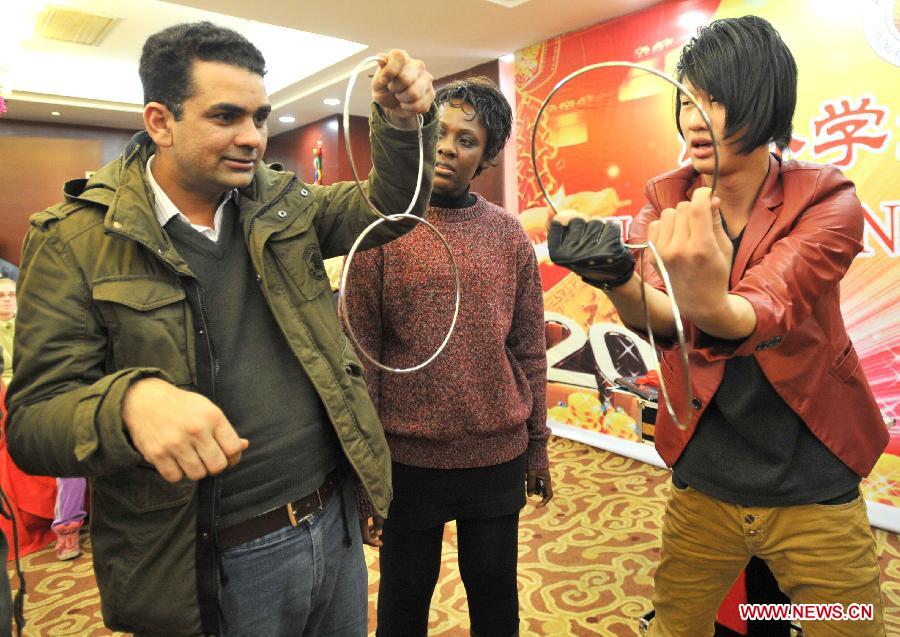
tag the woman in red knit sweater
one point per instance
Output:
(468, 433)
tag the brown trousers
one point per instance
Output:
(819, 554)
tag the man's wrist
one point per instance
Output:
(733, 317)
(605, 283)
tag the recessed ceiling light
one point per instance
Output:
(71, 25)
(54, 113)
(509, 58)
(287, 119)
(331, 101)
(509, 4)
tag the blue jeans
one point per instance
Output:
(298, 581)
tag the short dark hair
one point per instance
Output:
(168, 56)
(745, 65)
(491, 109)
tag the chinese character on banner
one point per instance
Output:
(850, 127)
(897, 153)
(797, 144)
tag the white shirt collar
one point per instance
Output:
(165, 209)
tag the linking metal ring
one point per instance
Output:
(602, 65)
(342, 294)
(374, 59)
(679, 327)
(679, 332)
(407, 214)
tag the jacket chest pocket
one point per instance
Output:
(298, 260)
(147, 321)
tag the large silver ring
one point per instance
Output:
(342, 295)
(382, 217)
(679, 332)
(374, 59)
(664, 274)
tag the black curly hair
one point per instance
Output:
(168, 56)
(491, 109)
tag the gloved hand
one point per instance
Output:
(591, 247)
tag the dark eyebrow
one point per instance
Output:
(234, 109)
(462, 131)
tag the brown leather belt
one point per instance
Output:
(291, 514)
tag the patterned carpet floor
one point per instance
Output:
(586, 562)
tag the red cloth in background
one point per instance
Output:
(32, 498)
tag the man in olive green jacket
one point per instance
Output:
(177, 342)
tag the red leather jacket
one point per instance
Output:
(804, 231)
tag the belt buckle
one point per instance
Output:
(319, 495)
(292, 513)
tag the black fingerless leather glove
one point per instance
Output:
(592, 247)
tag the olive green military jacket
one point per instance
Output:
(104, 299)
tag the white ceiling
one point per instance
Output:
(450, 36)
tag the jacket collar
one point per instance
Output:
(122, 188)
(762, 217)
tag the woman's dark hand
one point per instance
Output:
(539, 482)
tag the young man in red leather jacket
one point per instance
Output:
(781, 425)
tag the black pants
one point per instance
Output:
(410, 562)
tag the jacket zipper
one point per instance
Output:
(214, 360)
(190, 283)
(217, 482)
(210, 348)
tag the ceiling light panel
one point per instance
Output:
(69, 25)
(37, 66)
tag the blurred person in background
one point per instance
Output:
(7, 326)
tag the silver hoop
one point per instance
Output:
(374, 59)
(342, 295)
(601, 65)
(407, 214)
(676, 314)
(679, 332)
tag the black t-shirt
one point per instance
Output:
(750, 448)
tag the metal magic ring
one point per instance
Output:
(661, 267)
(382, 218)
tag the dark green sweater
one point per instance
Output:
(259, 384)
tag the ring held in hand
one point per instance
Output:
(342, 295)
(679, 327)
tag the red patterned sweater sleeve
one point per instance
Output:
(526, 342)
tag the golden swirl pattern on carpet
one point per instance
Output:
(586, 562)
